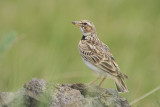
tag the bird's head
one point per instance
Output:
(85, 26)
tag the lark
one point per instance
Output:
(97, 56)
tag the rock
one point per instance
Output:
(39, 93)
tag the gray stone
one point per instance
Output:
(39, 93)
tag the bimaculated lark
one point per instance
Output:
(97, 56)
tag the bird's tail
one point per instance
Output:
(120, 84)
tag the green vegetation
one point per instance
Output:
(45, 43)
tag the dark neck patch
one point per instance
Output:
(83, 38)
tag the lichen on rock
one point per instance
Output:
(39, 93)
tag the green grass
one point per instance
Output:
(46, 42)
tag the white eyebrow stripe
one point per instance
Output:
(89, 24)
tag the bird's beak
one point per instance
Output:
(77, 23)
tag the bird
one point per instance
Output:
(97, 56)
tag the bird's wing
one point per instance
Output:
(100, 56)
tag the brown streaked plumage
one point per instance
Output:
(97, 56)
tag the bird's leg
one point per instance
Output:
(95, 79)
(102, 81)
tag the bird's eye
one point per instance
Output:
(85, 23)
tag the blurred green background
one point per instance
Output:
(37, 39)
